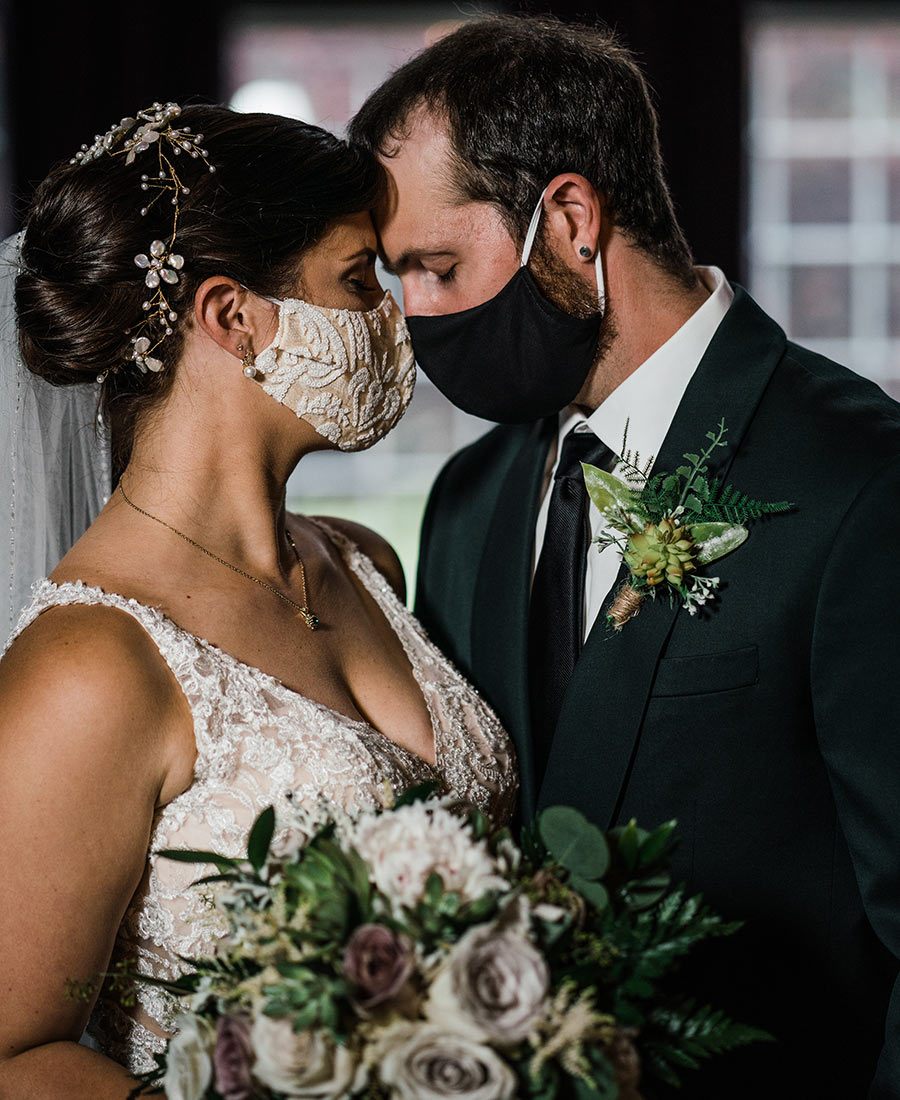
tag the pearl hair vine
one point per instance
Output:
(152, 129)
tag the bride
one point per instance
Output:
(200, 653)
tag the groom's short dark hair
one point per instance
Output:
(526, 98)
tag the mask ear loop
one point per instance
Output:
(529, 244)
(601, 282)
(532, 230)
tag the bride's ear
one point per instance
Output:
(229, 314)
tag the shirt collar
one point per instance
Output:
(649, 397)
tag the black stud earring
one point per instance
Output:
(584, 251)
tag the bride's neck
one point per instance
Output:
(220, 479)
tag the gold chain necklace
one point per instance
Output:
(303, 611)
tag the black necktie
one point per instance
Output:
(556, 620)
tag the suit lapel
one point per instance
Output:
(600, 722)
(502, 594)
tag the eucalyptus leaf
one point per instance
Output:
(606, 491)
(574, 841)
(260, 838)
(593, 892)
(715, 540)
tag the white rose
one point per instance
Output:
(188, 1059)
(300, 1063)
(494, 986)
(421, 1062)
(403, 847)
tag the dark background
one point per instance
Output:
(75, 69)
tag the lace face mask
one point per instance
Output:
(349, 373)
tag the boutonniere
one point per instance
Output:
(666, 526)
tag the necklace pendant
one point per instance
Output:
(307, 616)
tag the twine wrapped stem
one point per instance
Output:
(625, 606)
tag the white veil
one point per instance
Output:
(54, 462)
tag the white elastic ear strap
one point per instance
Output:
(601, 282)
(529, 244)
(532, 230)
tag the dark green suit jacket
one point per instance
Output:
(768, 727)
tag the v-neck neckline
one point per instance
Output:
(348, 551)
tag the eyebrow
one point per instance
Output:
(368, 253)
(406, 258)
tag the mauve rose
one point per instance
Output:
(494, 984)
(232, 1058)
(418, 1061)
(378, 962)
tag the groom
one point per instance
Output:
(767, 723)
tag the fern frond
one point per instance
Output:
(734, 507)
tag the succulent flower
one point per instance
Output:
(663, 551)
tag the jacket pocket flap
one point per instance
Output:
(709, 672)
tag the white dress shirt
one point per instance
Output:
(647, 401)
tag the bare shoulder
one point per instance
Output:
(85, 758)
(375, 547)
(89, 678)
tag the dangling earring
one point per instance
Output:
(249, 362)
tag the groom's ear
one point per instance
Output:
(229, 314)
(574, 218)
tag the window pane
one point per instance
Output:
(820, 191)
(894, 307)
(820, 302)
(824, 180)
(819, 81)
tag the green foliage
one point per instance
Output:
(421, 792)
(684, 1035)
(222, 862)
(731, 506)
(574, 841)
(715, 540)
(687, 492)
(260, 838)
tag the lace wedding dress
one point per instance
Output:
(259, 744)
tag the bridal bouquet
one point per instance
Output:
(417, 953)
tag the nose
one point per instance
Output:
(418, 300)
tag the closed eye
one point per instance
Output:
(362, 287)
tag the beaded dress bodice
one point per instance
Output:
(259, 744)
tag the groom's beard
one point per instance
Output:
(563, 288)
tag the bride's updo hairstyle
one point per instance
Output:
(277, 185)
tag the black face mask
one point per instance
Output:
(516, 357)
(513, 359)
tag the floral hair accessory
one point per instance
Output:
(152, 129)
